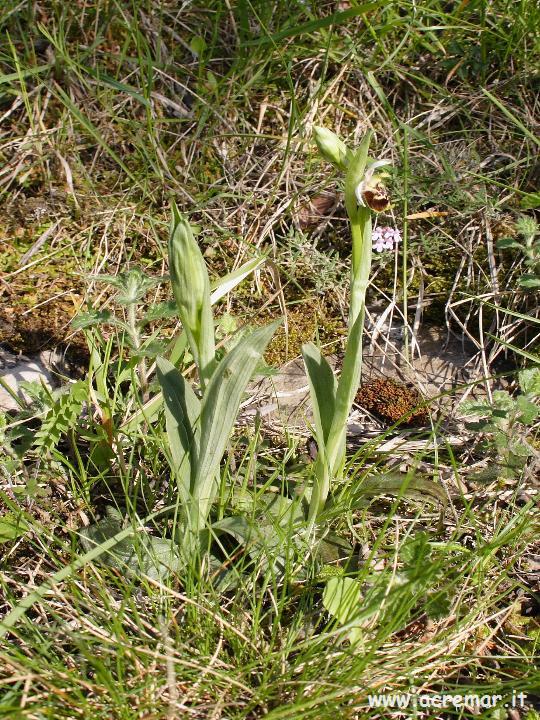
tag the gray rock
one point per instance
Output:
(17, 368)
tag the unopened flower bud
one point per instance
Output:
(331, 147)
(189, 277)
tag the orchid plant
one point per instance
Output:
(199, 418)
(331, 399)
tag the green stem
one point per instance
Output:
(405, 244)
(332, 456)
(331, 463)
(136, 340)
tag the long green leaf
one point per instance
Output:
(227, 283)
(347, 388)
(533, 357)
(515, 120)
(182, 415)
(338, 18)
(220, 407)
(42, 590)
(415, 487)
(135, 554)
(29, 72)
(508, 311)
(322, 388)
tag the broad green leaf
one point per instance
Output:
(150, 349)
(238, 526)
(322, 388)
(138, 553)
(416, 550)
(12, 527)
(437, 605)
(341, 598)
(530, 201)
(473, 407)
(198, 45)
(529, 381)
(258, 542)
(159, 311)
(97, 317)
(528, 411)
(415, 487)
(182, 415)
(529, 281)
(220, 405)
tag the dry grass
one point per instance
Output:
(108, 110)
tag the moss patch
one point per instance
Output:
(391, 402)
(305, 323)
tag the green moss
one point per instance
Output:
(305, 323)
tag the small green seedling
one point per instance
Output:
(504, 423)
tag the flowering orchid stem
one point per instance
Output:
(330, 462)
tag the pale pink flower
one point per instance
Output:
(385, 238)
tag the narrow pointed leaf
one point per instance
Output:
(227, 283)
(346, 390)
(416, 487)
(137, 553)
